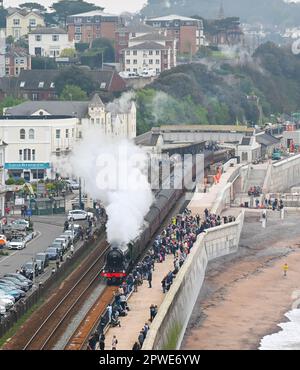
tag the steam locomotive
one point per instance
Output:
(121, 258)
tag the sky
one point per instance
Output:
(111, 6)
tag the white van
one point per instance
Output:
(126, 74)
(148, 73)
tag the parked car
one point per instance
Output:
(2, 310)
(66, 238)
(79, 214)
(43, 257)
(3, 241)
(74, 185)
(19, 284)
(16, 293)
(7, 296)
(62, 242)
(58, 246)
(148, 73)
(20, 224)
(17, 243)
(53, 253)
(7, 303)
(30, 268)
(72, 234)
(40, 265)
(126, 74)
(11, 285)
(20, 277)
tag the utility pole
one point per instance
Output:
(80, 194)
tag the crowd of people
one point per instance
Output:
(176, 239)
(255, 191)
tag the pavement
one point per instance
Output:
(139, 304)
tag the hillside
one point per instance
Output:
(223, 92)
(268, 12)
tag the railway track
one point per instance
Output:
(51, 327)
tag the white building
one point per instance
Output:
(35, 142)
(49, 42)
(113, 119)
(148, 55)
(20, 22)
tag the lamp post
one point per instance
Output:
(80, 195)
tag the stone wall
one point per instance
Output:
(169, 325)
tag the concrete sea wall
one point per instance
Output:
(169, 325)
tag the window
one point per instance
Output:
(52, 85)
(22, 61)
(33, 154)
(157, 61)
(27, 154)
(80, 135)
(103, 85)
(16, 22)
(157, 52)
(20, 154)
(77, 37)
(55, 37)
(31, 134)
(73, 132)
(134, 61)
(89, 19)
(38, 37)
(67, 133)
(57, 152)
(57, 134)
(157, 70)
(41, 85)
(150, 61)
(127, 61)
(77, 20)
(77, 29)
(22, 134)
(32, 22)
(22, 83)
(127, 52)
(135, 70)
(150, 52)
(98, 121)
(134, 52)
(34, 96)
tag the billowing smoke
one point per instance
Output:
(121, 105)
(115, 171)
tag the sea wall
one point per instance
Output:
(169, 325)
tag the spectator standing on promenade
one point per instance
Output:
(102, 342)
(285, 269)
(150, 279)
(136, 347)
(114, 343)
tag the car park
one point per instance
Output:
(17, 243)
(79, 214)
(43, 257)
(29, 269)
(16, 293)
(53, 253)
(21, 285)
(20, 277)
(40, 265)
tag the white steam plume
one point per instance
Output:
(114, 172)
(122, 104)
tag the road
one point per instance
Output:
(48, 229)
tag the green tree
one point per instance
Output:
(68, 53)
(73, 92)
(9, 101)
(107, 47)
(33, 6)
(64, 8)
(43, 63)
(75, 76)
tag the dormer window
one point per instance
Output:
(103, 85)
(22, 83)
(41, 84)
(52, 85)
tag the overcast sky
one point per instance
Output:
(111, 6)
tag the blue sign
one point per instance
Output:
(26, 166)
(29, 212)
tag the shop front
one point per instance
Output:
(28, 171)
